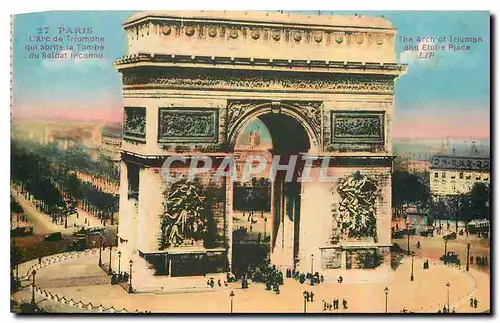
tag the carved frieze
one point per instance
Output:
(135, 123)
(276, 34)
(357, 127)
(241, 81)
(187, 125)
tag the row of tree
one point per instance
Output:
(53, 186)
(410, 189)
(252, 196)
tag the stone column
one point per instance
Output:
(150, 208)
(288, 225)
(125, 210)
(229, 219)
(315, 221)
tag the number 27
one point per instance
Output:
(44, 30)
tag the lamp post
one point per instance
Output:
(33, 289)
(110, 271)
(468, 250)
(305, 294)
(445, 249)
(265, 229)
(119, 262)
(448, 295)
(408, 234)
(386, 290)
(231, 296)
(312, 269)
(412, 255)
(130, 289)
(100, 251)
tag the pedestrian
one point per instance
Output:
(219, 283)
(471, 302)
(322, 279)
(40, 260)
(324, 305)
(312, 297)
(475, 302)
(344, 303)
(471, 260)
(336, 304)
(444, 308)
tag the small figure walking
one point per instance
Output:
(475, 302)
(344, 304)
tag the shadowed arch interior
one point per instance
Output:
(287, 134)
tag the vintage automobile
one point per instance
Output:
(398, 235)
(56, 236)
(427, 233)
(79, 244)
(89, 232)
(450, 258)
(451, 236)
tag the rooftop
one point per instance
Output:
(267, 18)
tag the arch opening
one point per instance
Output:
(262, 207)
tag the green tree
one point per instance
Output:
(408, 188)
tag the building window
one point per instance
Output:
(478, 177)
(486, 177)
(453, 176)
(467, 177)
(443, 175)
(461, 175)
(436, 175)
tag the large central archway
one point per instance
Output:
(289, 138)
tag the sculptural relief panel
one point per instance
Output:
(188, 125)
(134, 123)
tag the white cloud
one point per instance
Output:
(62, 61)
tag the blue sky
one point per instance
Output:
(449, 93)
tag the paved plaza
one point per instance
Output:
(81, 279)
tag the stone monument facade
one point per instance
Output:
(322, 85)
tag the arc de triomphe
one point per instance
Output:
(322, 85)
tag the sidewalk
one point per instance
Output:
(426, 294)
(43, 222)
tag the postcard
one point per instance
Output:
(238, 162)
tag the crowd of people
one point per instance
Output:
(480, 261)
(303, 277)
(211, 282)
(334, 304)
